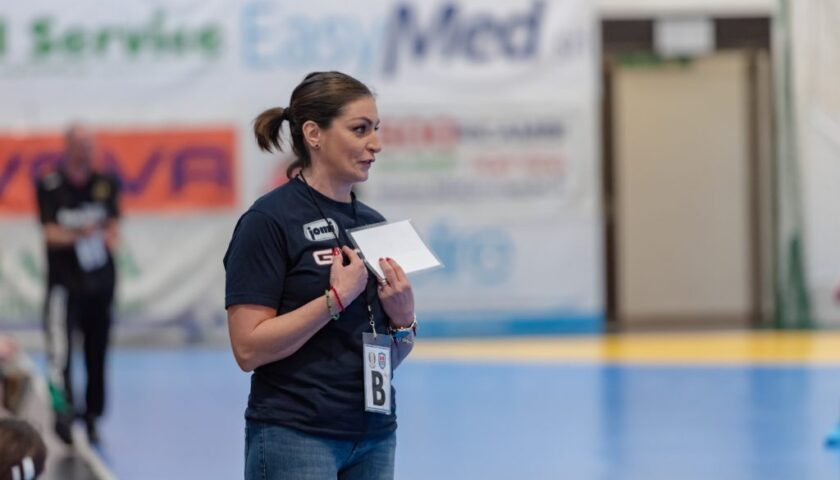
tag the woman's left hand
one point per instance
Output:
(396, 295)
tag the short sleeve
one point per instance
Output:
(255, 262)
(47, 205)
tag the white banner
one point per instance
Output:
(816, 69)
(489, 125)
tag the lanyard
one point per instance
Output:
(338, 243)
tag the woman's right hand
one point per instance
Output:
(348, 280)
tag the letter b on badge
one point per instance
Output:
(377, 370)
(378, 392)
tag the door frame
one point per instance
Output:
(634, 38)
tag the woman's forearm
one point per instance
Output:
(258, 340)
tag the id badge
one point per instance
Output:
(91, 252)
(377, 367)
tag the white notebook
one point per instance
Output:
(397, 240)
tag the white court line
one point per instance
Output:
(88, 454)
(41, 412)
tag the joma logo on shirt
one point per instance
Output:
(320, 230)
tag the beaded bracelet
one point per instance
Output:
(335, 315)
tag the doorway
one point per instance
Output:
(688, 179)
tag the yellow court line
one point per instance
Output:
(703, 348)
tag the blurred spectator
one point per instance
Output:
(14, 379)
(22, 450)
(78, 208)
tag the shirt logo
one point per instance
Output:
(320, 230)
(87, 213)
(325, 257)
(101, 190)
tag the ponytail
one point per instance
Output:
(267, 128)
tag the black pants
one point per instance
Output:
(88, 312)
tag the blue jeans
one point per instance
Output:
(275, 452)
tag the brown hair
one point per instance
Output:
(320, 97)
(18, 441)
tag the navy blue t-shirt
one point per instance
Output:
(280, 257)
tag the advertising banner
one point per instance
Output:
(489, 126)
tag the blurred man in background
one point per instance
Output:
(78, 209)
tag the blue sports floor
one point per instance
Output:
(177, 414)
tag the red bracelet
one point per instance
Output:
(337, 298)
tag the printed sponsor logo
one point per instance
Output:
(281, 35)
(86, 214)
(319, 230)
(444, 132)
(381, 360)
(485, 256)
(446, 144)
(474, 37)
(44, 42)
(324, 258)
(440, 131)
(171, 170)
(372, 359)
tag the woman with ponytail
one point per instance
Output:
(300, 303)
